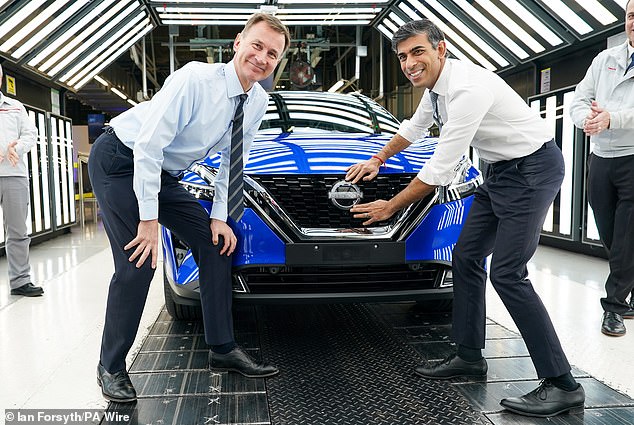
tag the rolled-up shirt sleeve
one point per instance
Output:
(27, 133)
(466, 107)
(170, 111)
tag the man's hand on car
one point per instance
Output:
(366, 170)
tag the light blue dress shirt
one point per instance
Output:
(187, 120)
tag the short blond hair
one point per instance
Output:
(273, 22)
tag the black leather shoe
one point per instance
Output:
(546, 400)
(116, 386)
(452, 367)
(28, 290)
(612, 324)
(237, 360)
(630, 313)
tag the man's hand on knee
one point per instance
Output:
(220, 228)
(146, 242)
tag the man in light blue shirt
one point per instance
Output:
(134, 168)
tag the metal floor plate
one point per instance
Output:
(341, 364)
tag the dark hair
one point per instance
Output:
(422, 26)
(274, 23)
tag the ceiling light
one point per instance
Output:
(98, 55)
(472, 36)
(56, 23)
(451, 34)
(597, 11)
(131, 102)
(105, 23)
(534, 23)
(112, 57)
(193, 17)
(390, 25)
(207, 2)
(397, 19)
(492, 29)
(457, 52)
(119, 93)
(178, 9)
(101, 80)
(511, 25)
(20, 16)
(333, 17)
(332, 1)
(31, 25)
(54, 44)
(337, 86)
(205, 22)
(385, 31)
(373, 10)
(571, 18)
(327, 22)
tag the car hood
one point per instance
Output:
(318, 154)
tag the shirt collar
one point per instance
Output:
(630, 50)
(234, 88)
(442, 84)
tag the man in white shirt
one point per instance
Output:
(17, 136)
(474, 107)
(604, 108)
(134, 167)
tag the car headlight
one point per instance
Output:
(464, 183)
(199, 181)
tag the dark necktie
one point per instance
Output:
(434, 104)
(631, 65)
(235, 206)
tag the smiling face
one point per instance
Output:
(420, 61)
(257, 53)
(629, 22)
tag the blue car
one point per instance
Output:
(298, 241)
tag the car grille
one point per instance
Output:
(305, 197)
(332, 280)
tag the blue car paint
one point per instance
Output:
(438, 233)
(432, 240)
(309, 154)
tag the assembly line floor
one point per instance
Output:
(340, 363)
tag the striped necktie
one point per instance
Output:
(631, 65)
(235, 205)
(434, 104)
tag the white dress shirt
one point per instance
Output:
(187, 120)
(15, 125)
(613, 90)
(478, 109)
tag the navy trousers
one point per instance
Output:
(611, 196)
(111, 169)
(505, 220)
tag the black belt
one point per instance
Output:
(499, 166)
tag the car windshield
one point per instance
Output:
(316, 112)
